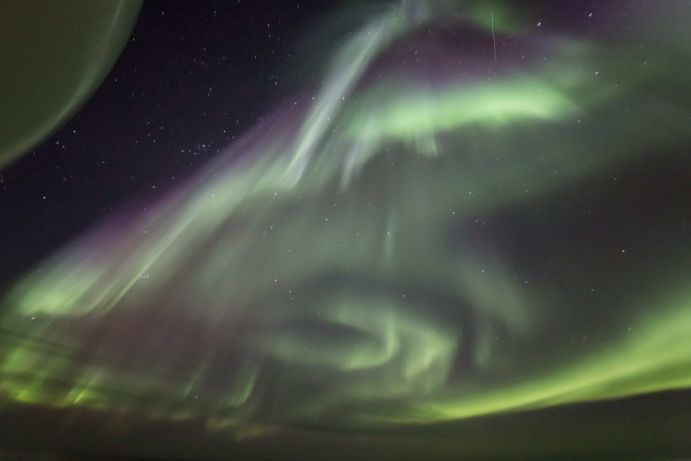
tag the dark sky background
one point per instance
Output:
(193, 77)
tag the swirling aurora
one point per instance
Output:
(396, 249)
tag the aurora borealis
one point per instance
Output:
(428, 237)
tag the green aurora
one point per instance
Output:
(395, 250)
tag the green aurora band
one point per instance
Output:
(344, 271)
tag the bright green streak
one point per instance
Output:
(494, 106)
(654, 356)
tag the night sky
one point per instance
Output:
(192, 78)
(379, 230)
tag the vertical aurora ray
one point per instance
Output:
(365, 265)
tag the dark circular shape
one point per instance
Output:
(53, 56)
